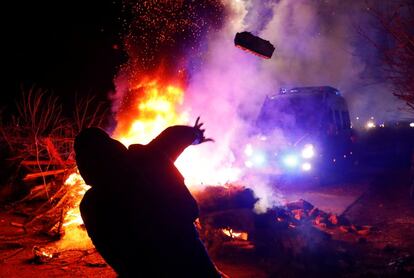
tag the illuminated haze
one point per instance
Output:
(316, 45)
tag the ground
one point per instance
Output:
(377, 197)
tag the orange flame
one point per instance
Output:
(236, 235)
(154, 106)
(78, 188)
(74, 236)
(154, 109)
(156, 102)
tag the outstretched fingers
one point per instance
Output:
(197, 127)
(208, 140)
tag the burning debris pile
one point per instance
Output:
(58, 217)
(283, 237)
(226, 216)
(302, 211)
(231, 208)
(42, 183)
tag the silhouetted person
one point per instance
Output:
(139, 213)
(101, 163)
(169, 206)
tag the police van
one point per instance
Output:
(300, 131)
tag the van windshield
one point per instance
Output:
(296, 114)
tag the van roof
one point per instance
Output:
(309, 90)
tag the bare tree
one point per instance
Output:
(396, 20)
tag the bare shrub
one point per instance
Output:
(88, 112)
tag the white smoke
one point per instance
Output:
(315, 46)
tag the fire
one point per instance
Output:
(78, 189)
(154, 109)
(158, 104)
(236, 235)
(155, 105)
(75, 236)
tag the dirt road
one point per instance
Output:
(379, 200)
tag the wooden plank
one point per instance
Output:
(46, 173)
(45, 162)
(41, 162)
(53, 151)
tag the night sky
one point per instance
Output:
(67, 47)
(76, 46)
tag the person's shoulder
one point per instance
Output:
(88, 194)
(92, 133)
(89, 138)
(136, 147)
(88, 199)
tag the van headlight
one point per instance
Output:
(306, 166)
(308, 151)
(291, 160)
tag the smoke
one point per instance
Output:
(317, 44)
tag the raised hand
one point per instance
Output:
(200, 133)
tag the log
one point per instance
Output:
(40, 162)
(46, 162)
(32, 176)
(53, 151)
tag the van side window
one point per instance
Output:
(327, 122)
(331, 117)
(346, 121)
(337, 120)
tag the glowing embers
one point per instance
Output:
(236, 240)
(235, 235)
(43, 254)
